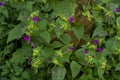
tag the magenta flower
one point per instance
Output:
(85, 51)
(1, 3)
(96, 41)
(70, 48)
(117, 9)
(26, 38)
(35, 19)
(99, 49)
(71, 19)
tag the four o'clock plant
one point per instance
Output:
(40, 40)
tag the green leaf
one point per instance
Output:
(18, 70)
(5, 13)
(99, 32)
(75, 68)
(63, 8)
(15, 33)
(46, 36)
(118, 22)
(83, 77)
(59, 32)
(81, 56)
(29, 5)
(117, 67)
(46, 52)
(15, 78)
(44, 1)
(86, 37)
(58, 73)
(18, 57)
(100, 72)
(65, 39)
(113, 42)
(78, 31)
(26, 75)
(57, 44)
(42, 24)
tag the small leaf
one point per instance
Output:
(5, 13)
(100, 72)
(58, 73)
(81, 56)
(29, 5)
(44, 1)
(75, 68)
(59, 32)
(18, 70)
(99, 32)
(65, 39)
(46, 52)
(57, 44)
(26, 75)
(42, 24)
(117, 67)
(78, 31)
(46, 36)
(118, 22)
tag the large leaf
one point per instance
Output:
(63, 7)
(15, 33)
(78, 31)
(58, 73)
(75, 68)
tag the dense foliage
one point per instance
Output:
(35, 42)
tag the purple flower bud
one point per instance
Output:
(35, 19)
(1, 3)
(71, 19)
(32, 44)
(29, 59)
(85, 51)
(47, 19)
(99, 49)
(117, 9)
(25, 17)
(96, 41)
(70, 48)
(26, 38)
